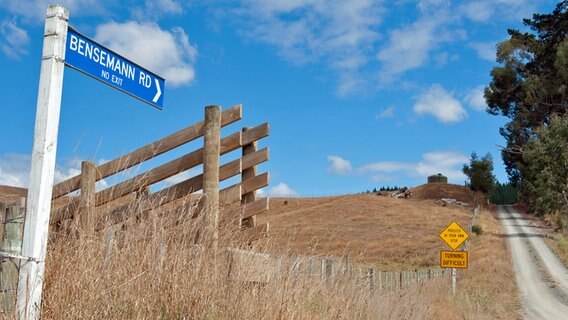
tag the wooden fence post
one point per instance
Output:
(345, 265)
(85, 218)
(11, 244)
(328, 270)
(249, 173)
(371, 277)
(3, 217)
(109, 241)
(211, 159)
(417, 275)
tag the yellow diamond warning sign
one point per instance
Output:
(453, 259)
(453, 235)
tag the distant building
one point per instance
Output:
(437, 178)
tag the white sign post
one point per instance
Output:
(34, 246)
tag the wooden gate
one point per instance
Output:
(86, 209)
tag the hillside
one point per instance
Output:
(437, 191)
(11, 194)
(389, 233)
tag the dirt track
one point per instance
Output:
(541, 277)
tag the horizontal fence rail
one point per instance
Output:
(147, 152)
(86, 210)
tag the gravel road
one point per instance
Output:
(541, 277)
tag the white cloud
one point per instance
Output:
(386, 167)
(102, 161)
(34, 10)
(70, 169)
(180, 177)
(485, 50)
(445, 162)
(167, 6)
(15, 40)
(408, 48)
(15, 170)
(480, 11)
(386, 113)
(339, 165)
(476, 99)
(488, 10)
(282, 190)
(414, 45)
(441, 104)
(340, 34)
(168, 53)
(154, 9)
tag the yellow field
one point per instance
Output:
(153, 269)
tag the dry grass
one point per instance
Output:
(438, 191)
(403, 234)
(159, 273)
(392, 234)
(154, 270)
(559, 245)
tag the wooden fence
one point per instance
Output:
(265, 269)
(12, 228)
(85, 211)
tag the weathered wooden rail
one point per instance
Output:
(85, 210)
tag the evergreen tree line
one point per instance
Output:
(481, 178)
(503, 193)
(388, 188)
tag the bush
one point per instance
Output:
(477, 229)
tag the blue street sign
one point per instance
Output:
(93, 59)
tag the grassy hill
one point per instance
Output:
(452, 191)
(153, 270)
(389, 233)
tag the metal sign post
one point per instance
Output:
(454, 236)
(454, 274)
(34, 246)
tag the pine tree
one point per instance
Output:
(480, 173)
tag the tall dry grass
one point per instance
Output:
(160, 268)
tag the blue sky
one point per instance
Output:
(359, 94)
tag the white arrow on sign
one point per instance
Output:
(159, 93)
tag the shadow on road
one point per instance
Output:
(523, 235)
